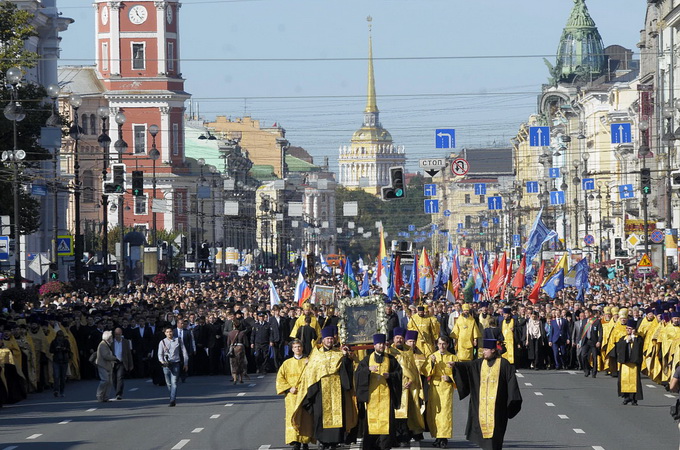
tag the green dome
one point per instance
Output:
(581, 52)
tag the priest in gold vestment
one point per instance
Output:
(288, 384)
(494, 396)
(439, 408)
(379, 387)
(465, 332)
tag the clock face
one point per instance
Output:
(168, 14)
(105, 15)
(138, 14)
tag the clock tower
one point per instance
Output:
(137, 61)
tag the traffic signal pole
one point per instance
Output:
(645, 182)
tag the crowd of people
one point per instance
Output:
(623, 328)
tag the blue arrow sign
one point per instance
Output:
(532, 187)
(515, 240)
(539, 136)
(447, 213)
(431, 206)
(621, 133)
(480, 188)
(445, 138)
(557, 197)
(588, 184)
(496, 220)
(626, 191)
(411, 228)
(485, 224)
(430, 190)
(554, 172)
(495, 202)
(4, 248)
(460, 225)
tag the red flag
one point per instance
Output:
(494, 268)
(537, 287)
(519, 281)
(496, 283)
(506, 281)
(398, 279)
(455, 280)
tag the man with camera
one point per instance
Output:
(172, 354)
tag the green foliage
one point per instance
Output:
(15, 29)
(395, 215)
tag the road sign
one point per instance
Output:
(539, 136)
(432, 163)
(430, 190)
(633, 240)
(516, 240)
(588, 184)
(445, 138)
(431, 206)
(480, 188)
(460, 225)
(557, 197)
(485, 224)
(589, 239)
(626, 191)
(532, 187)
(554, 172)
(460, 167)
(645, 261)
(495, 202)
(411, 228)
(621, 133)
(657, 236)
(64, 245)
(447, 213)
(4, 248)
(496, 220)
(644, 269)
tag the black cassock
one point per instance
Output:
(362, 376)
(627, 354)
(508, 400)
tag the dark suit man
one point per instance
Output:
(277, 324)
(122, 350)
(261, 338)
(186, 336)
(590, 339)
(557, 340)
(202, 333)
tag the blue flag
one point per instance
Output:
(349, 280)
(438, 290)
(554, 284)
(582, 283)
(390, 279)
(365, 284)
(538, 235)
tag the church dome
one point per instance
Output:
(372, 134)
(580, 53)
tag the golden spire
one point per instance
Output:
(371, 105)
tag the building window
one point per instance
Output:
(482, 199)
(171, 56)
(93, 124)
(140, 205)
(85, 119)
(88, 186)
(467, 198)
(175, 139)
(105, 56)
(139, 138)
(468, 222)
(138, 58)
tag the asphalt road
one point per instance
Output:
(562, 410)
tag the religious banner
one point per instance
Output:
(323, 295)
(360, 319)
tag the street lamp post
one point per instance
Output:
(121, 147)
(104, 141)
(585, 156)
(53, 91)
(642, 153)
(154, 154)
(15, 112)
(76, 132)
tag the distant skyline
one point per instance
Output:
(473, 66)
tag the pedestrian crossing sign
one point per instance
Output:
(64, 245)
(645, 261)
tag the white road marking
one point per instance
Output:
(11, 447)
(549, 404)
(64, 422)
(528, 384)
(252, 385)
(229, 404)
(91, 409)
(651, 386)
(260, 377)
(134, 389)
(264, 447)
(670, 395)
(579, 431)
(149, 381)
(572, 372)
(34, 436)
(562, 416)
(197, 430)
(215, 416)
(597, 447)
(181, 444)
(540, 394)
(241, 394)
(519, 375)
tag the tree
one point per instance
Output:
(15, 29)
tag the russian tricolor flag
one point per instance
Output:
(302, 291)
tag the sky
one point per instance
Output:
(475, 66)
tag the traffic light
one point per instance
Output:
(397, 187)
(118, 178)
(645, 181)
(137, 183)
(53, 272)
